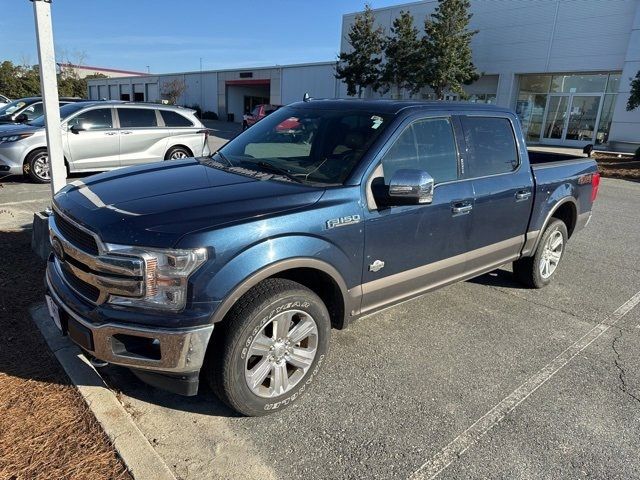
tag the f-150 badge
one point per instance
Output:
(342, 221)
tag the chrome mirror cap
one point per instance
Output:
(410, 184)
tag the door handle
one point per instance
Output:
(461, 208)
(523, 195)
(126, 132)
(110, 133)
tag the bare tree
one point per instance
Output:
(173, 90)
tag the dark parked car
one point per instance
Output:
(249, 257)
(24, 110)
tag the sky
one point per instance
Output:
(173, 35)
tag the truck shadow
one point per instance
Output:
(130, 388)
(498, 278)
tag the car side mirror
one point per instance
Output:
(76, 129)
(22, 118)
(414, 186)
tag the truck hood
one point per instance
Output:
(155, 205)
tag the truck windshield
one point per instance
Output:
(305, 145)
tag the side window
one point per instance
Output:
(427, 145)
(34, 111)
(99, 118)
(174, 119)
(137, 117)
(491, 146)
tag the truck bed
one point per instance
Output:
(537, 157)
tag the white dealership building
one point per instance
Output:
(564, 65)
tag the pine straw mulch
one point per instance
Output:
(46, 429)
(625, 166)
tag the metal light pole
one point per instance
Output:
(49, 89)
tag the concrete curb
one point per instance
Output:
(133, 447)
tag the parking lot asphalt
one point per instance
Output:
(417, 390)
(420, 388)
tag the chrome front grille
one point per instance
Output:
(87, 266)
(76, 235)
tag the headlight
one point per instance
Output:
(14, 138)
(166, 274)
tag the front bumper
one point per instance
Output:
(171, 353)
(11, 157)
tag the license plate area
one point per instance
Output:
(55, 314)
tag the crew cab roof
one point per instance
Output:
(394, 106)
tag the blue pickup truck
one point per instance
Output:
(233, 268)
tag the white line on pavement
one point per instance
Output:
(22, 202)
(471, 435)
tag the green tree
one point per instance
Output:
(402, 52)
(446, 48)
(634, 97)
(18, 81)
(360, 68)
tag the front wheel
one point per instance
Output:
(538, 270)
(270, 347)
(37, 166)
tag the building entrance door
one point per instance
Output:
(571, 119)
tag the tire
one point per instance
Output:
(178, 153)
(538, 270)
(251, 327)
(37, 166)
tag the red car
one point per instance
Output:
(258, 113)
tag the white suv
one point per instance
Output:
(104, 135)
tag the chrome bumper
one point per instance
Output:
(174, 351)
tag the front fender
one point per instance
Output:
(276, 255)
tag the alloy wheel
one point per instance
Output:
(281, 353)
(551, 254)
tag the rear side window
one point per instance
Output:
(174, 119)
(93, 119)
(137, 117)
(427, 145)
(491, 146)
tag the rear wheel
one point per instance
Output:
(538, 270)
(37, 166)
(270, 347)
(176, 153)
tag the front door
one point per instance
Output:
(412, 248)
(571, 119)
(95, 143)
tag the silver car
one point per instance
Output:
(102, 135)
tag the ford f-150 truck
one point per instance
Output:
(233, 268)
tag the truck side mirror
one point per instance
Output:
(414, 186)
(22, 118)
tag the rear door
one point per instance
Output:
(142, 138)
(502, 188)
(411, 248)
(96, 146)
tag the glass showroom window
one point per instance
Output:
(531, 104)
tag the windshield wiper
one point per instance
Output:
(222, 156)
(268, 167)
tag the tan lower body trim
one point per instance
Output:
(403, 285)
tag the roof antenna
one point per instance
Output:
(306, 97)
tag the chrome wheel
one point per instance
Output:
(40, 166)
(551, 254)
(281, 353)
(178, 154)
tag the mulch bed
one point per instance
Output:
(46, 429)
(614, 166)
